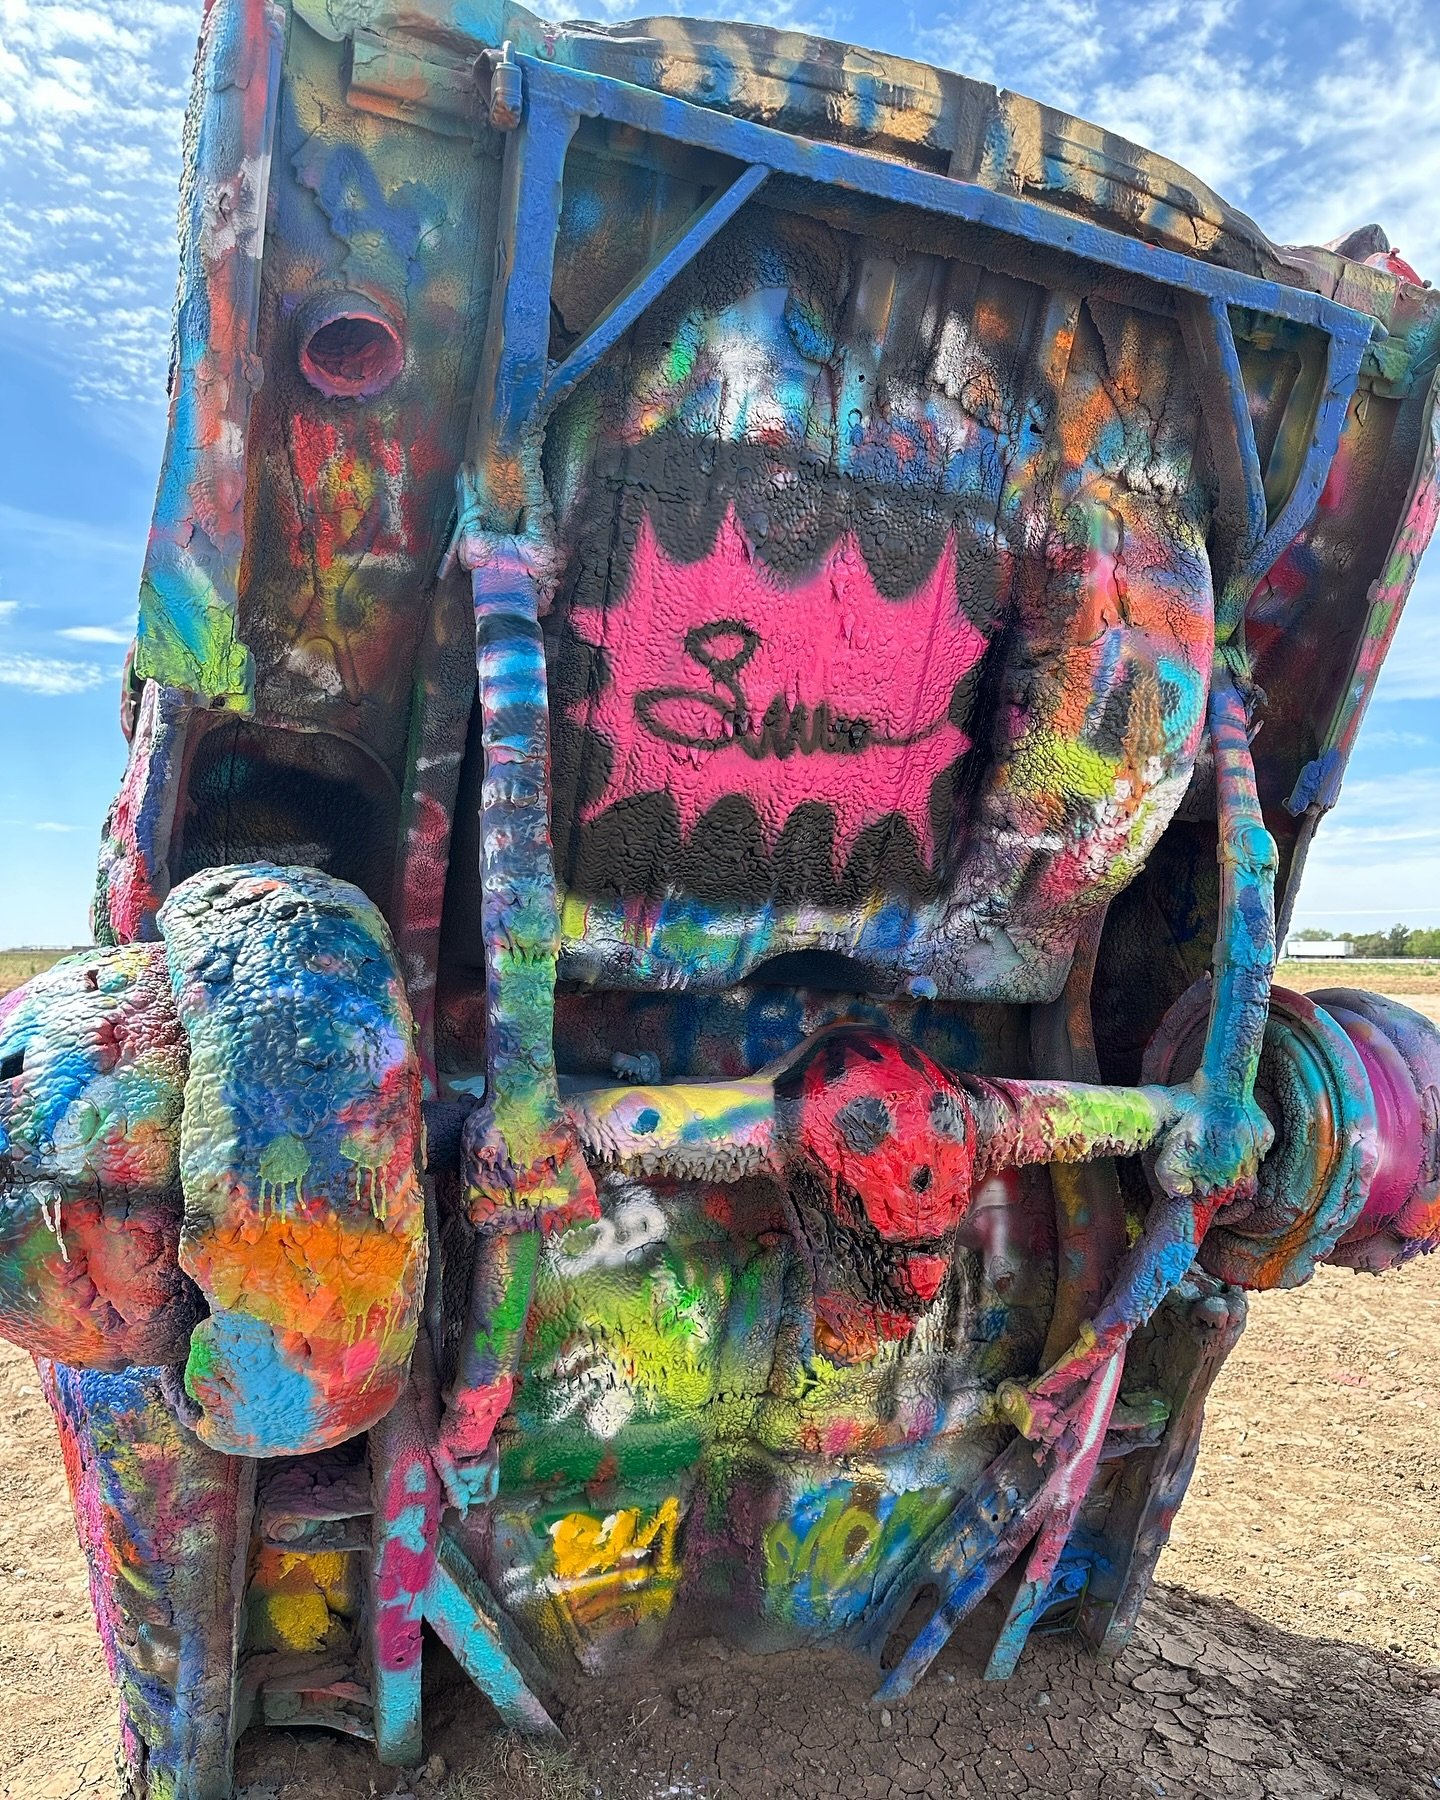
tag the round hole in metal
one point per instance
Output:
(351, 355)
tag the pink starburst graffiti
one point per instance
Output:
(725, 680)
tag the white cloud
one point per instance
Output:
(96, 634)
(92, 101)
(55, 535)
(783, 15)
(1412, 668)
(51, 825)
(1390, 824)
(1397, 740)
(1287, 116)
(21, 667)
(91, 104)
(49, 675)
(1314, 120)
(1376, 857)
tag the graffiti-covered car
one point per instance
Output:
(741, 648)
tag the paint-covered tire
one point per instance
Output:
(92, 1079)
(1400, 1049)
(299, 1157)
(1313, 1182)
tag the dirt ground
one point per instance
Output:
(1411, 979)
(1291, 1648)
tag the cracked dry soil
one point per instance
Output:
(1291, 1649)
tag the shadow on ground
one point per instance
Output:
(1208, 1700)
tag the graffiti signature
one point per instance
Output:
(702, 720)
(821, 1564)
(624, 1556)
(724, 681)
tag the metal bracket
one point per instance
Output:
(680, 250)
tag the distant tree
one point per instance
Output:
(1311, 935)
(1394, 942)
(1425, 942)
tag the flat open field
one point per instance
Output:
(1407, 978)
(19, 965)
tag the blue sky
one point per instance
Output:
(1313, 115)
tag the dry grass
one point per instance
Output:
(516, 1770)
(1405, 976)
(17, 966)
